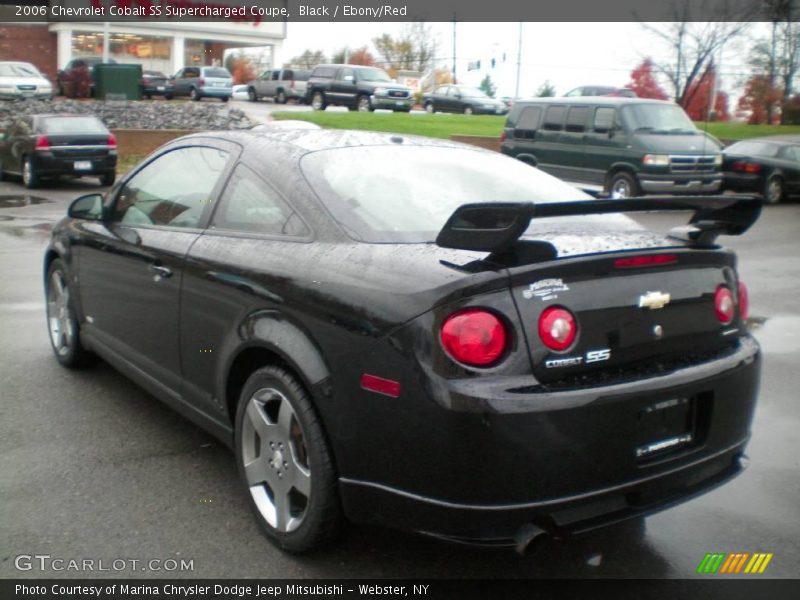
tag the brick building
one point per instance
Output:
(161, 46)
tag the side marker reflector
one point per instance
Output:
(379, 385)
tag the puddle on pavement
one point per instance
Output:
(19, 200)
(777, 335)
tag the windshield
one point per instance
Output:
(56, 125)
(468, 92)
(372, 75)
(407, 193)
(658, 118)
(18, 70)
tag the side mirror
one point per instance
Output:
(89, 207)
(457, 96)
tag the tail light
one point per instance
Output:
(724, 304)
(42, 143)
(746, 167)
(648, 260)
(291, 84)
(474, 337)
(503, 136)
(557, 328)
(112, 141)
(201, 82)
(744, 301)
(145, 81)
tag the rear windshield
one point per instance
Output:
(753, 148)
(406, 193)
(301, 75)
(56, 125)
(216, 72)
(19, 70)
(658, 118)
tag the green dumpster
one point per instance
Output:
(117, 82)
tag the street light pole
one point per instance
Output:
(519, 60)
(454, 48)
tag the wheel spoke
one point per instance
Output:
(301, 480)
(282, 516)
(255, 413)
(257, 470)
(285, 415)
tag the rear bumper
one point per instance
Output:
(46, 163)
(743, 182)
(564, 461)
(680, 184)
(216, 92)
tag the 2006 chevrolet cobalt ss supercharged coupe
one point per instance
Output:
(415, 332)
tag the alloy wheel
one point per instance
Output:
(363, 104)
(429, 108)
(59, 315)
(317, 101)
(275, 459)
(774, 190)
(620, 190)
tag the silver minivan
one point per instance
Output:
(201, 82)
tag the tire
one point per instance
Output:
(148, 96)
(468, 110)
(252, 95)
(30, 178)
(774, 190)
(429, 108)
(281, 98)
(623, 185)
(318, 101)
(107, 179)
(2, 172)
(280, 438)
(62, 326)
(194, 95)
(225, 99)
(168, 96)
(363, 104)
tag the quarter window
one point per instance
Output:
(554, 118)
(174, 190)
(528, 122)
(250, 204)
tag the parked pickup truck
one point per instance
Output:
(359, 88)
(281, 85)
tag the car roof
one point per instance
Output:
(343, 65)
(620, 100)
(312, 140)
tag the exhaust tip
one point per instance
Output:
(530, 539)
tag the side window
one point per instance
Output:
(288, 75)
(276, 75)
(528, 122)
(250, 204)
(573, 93)
(576, 118)
(344, 73)
(791, 153)
(604, 119)
(173, 190)
(192, 73)
(554, 118)
(441, 90)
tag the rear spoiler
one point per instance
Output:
(496, 226)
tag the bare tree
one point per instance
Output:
(307, 60)
(413, 49)
(694, 44)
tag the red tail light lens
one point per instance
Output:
(724, 305)
(746, 167)
(503, 137)
(112, 141)
(474, 337)
(744, 301)
(557, 328)
(201, 83)
(42, 143)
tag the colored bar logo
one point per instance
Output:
(734, 563)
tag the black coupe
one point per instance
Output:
(414, 332)
(769, 166)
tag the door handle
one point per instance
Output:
(160, 271)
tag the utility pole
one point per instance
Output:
(519, 60)
(454, 49)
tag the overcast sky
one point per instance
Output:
(566, 54)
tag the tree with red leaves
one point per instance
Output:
(697, 100)
(644, 83)
(757, 97)
(242, 70)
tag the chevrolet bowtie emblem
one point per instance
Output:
(654, 300)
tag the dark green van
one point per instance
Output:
(627, 146)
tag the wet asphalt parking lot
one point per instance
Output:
(93, 467)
